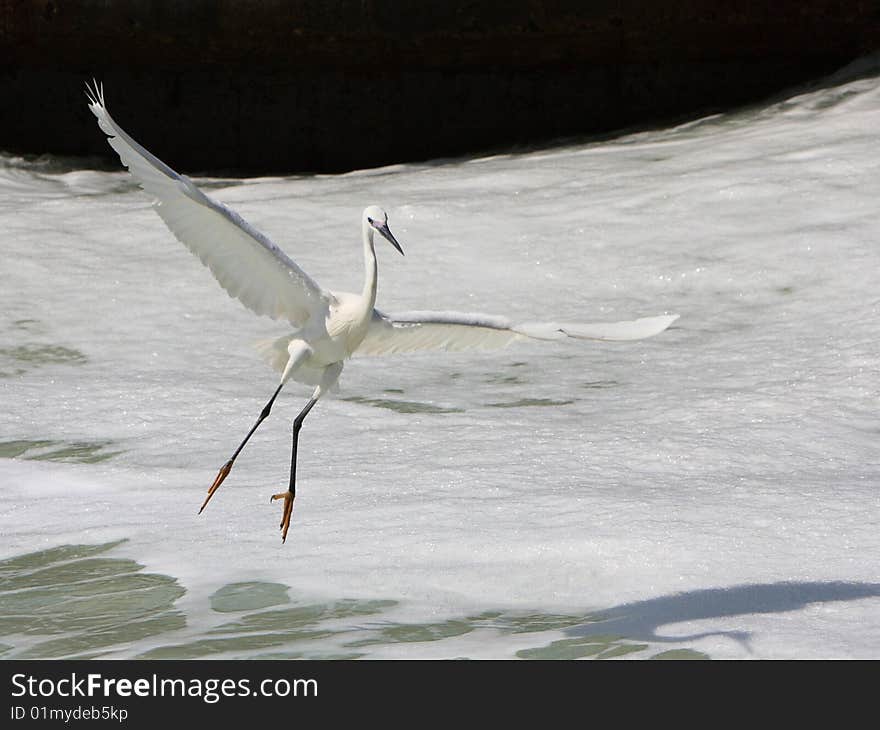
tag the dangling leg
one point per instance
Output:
(331, 375)
(299, 351)
(290, 494)
(227, 467)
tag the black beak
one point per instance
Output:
(389, 236)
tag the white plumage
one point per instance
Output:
(328, 327)
(412, 331)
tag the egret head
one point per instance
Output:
(377, 218)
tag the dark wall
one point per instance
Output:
(328, 85)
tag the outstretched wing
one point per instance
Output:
(414, 331)
(245, 263)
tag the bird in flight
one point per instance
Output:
(327, 327)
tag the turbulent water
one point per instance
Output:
(711, 492)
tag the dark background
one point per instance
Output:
(329, 85)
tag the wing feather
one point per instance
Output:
(415, 331)
(245, 262)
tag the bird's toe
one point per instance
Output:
(285, 513)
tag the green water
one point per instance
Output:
(82, 601)
(74, 601)
(529, 402)
(403, 406)
(83, 452)
(18, 359)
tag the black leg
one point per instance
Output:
(227, 467)
(290, 494)
(297, 425)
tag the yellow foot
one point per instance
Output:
(221, 475)
(285, 515)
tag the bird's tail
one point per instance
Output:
(274, 351)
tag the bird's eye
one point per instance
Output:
(369, 220)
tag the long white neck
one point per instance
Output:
(370, 268)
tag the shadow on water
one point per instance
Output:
(641, 620)
(632, 627)
(76, 602)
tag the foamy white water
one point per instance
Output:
(713, 489)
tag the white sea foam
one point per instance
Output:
(716, 487)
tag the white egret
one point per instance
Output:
(329, 327)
